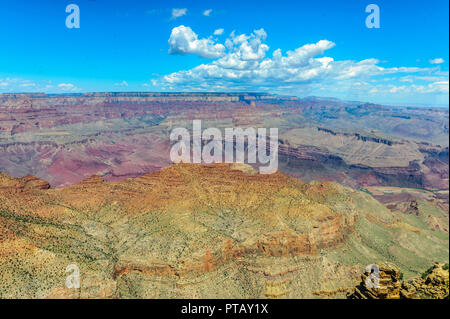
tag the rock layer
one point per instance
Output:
(433, 284)
(65, 139)
(204, 231)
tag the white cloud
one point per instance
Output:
(218, 31)
(242, 64)
(245, 48)
(66, 85)
(207, 13)
(437, 61)
(123, 84)
(176, 13)
(25, 85)
(185, 41)
(18, 85)
(396, 89)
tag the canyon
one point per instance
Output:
(64, 139)
(203, 231)
(87, 179)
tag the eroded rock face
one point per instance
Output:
(94, 179)
(388, 286)
(408, 207)
(32, 182)
(178, 232)
(65, 139)
(26, 183)
(180, 223)
(433, 284)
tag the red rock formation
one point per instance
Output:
(66, 139)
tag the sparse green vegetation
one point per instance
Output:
(148, 245)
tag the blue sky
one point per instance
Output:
(288, 47)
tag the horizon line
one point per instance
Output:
(234, 93)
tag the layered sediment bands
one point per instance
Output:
(94, 179)
(318, 163)
(40, 100)
(432, 284)
(334, 231)
(18, 185)
(387, 286)
(308, 157)
(359, 137)
(408, 176)
(206, 215)
(66, 138)
(202, 231)
(31, 182)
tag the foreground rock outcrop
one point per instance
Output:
(433, 284)
(379, 282)
(18, 185)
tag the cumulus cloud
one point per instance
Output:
(218, 31)
(242, 63)
(207, 13)
(245, 48)
(122, 84)
(185, 41)
(437, 61)
(176, 13)
(66, 85)
(25, 85)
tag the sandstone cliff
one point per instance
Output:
(200, 231)
(433, 284)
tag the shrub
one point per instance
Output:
(427, 272)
